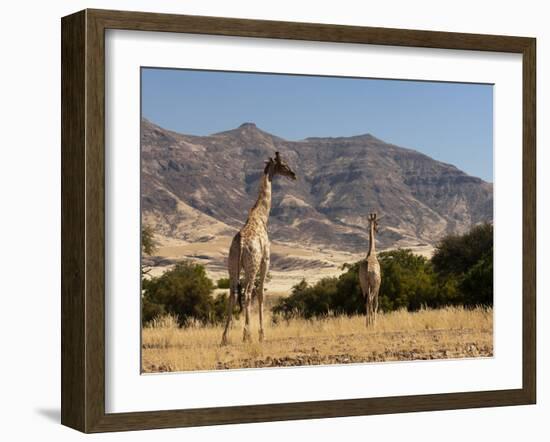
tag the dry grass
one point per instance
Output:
(427, 334)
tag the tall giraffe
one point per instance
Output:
(369, 274)
(250, 250)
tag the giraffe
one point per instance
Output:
(250, 251)
(369, 274)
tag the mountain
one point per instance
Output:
(198, 187)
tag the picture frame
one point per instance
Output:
(84, 190)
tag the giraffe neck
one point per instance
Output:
(372, 246)
(262, 207)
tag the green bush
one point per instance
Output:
(223, 283)
(148, 243)
(184, 291)
(408, 281)
(148, 246)
(477, 283)
(307, 301)
(460, 273)
(456, 254)
(348, 297)
(467, 260)
(150, 310)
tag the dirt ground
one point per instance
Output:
(398, 336)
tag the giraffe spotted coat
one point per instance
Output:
(249, 252)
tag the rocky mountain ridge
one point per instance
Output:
(195, 188)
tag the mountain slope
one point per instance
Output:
(340, 180)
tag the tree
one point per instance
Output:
(148, 246)
(186, 292)
(467, 261)
(307, 301)
(408, 281)
(456, 254)
(348, 297)
(477, 283)
(150, 309)
(148, 243)
(460, 273)
(223, 283)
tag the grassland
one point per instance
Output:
(398, 336)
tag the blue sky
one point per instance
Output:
(451, 122)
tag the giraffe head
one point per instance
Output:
(373, 221)
(278, 167)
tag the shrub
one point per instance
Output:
(460, 273)
(223, 283)
(348, 297)
(307, 301)
(219, 308)
(150, 310)
(408, 281)
(477, 283)
(148, 246)
(148, 243)
(456, 254)
(184, 291)
(467, 260)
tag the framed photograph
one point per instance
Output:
(266, 220)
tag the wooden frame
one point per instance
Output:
(83, 216)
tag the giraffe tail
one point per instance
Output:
(235, 269)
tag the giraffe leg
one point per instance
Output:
(230, 305)
(375, 307)
(264, 268)
(234, 270)
(369, 307)
(366, 299)
(249, 287)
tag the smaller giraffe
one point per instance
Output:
(369, 274)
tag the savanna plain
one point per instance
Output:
(446, 333)
(435, 250)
